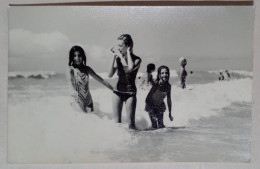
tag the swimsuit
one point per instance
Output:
(126, 82)
(183, 78)
(155, 97)
(80, 83)
(155, 105)
(124, 96)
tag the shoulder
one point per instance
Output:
(136, 58)
(85, 69)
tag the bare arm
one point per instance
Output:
(169, 102)
(112, 65)
(130, 59)
(98, 78)
(137, 64)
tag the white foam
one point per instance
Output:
(37, 121)
(37, 74)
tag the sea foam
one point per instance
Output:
(36, 75)
(50, 127)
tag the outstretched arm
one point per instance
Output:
(169, 102)
(98, 78)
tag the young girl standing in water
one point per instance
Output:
(155, 105)
(126, 63)
(79, 76)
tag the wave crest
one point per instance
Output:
(35, 75)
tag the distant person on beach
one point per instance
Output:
(155, 105)
(228, 74)
(183, 72)
(79, 75)
(126, 64)
(148, 80)
(221, 76)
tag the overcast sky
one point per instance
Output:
(209, 37)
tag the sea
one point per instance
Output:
(212, 121)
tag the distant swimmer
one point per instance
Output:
(221, 76)
(183, 72)
(228, 74)
(148, 80)
(79, 75)
(155, 105)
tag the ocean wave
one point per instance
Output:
(53, 114)
(198, 100)
(35, 75)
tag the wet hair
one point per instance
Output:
(127, 40)
(159, 72)
(71, 55)
(150, 67)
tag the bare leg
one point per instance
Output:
(130, 111)
(160, 120)
(117, 108)
(153, 119)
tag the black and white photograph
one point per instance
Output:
(128, 84)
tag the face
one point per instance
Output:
(78, 59)
(164, 75)
(121, 46)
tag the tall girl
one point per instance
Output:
(126, 64)
(79, 75)
(155, 105)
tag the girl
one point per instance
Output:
(155, 105)
(79, 76)
(126, 64)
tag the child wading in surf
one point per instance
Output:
(79, 75)
(155, 105)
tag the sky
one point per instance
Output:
(210, 38)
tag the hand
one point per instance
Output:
(116, 52)
(170, 116)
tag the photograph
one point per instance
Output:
(130, 84)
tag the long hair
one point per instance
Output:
(71, 55)
(127, 40)
(159, 72)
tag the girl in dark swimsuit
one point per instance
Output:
(183, 73)
(126, 64)
(155, 105)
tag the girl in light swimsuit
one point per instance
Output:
(126, 64)
(155, 105)
(79, 76)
